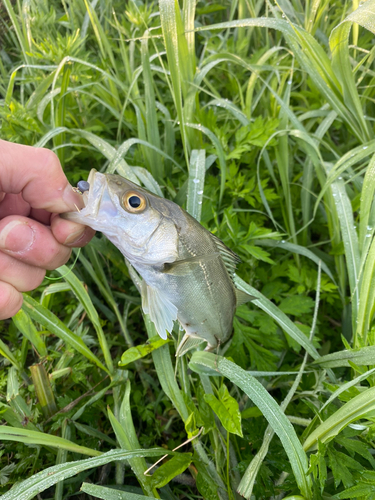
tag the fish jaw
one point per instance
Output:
(137, 236)
(92, 199)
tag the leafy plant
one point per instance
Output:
(270, 107)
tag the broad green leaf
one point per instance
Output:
(46, 318)
(339, 468)
(270, 409)
(351, 411)
(52, 475)
(141, 351)
(172, 468)
(258, 253)
(297, 305)
(110, 493)
(226, 408)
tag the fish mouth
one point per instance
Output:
(96, 199)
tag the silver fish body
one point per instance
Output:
(187, 271)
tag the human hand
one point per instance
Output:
(33, 238)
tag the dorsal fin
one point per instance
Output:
(230, 259)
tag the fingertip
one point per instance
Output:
(10, 300)
(70, 233)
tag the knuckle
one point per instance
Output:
(48, 158)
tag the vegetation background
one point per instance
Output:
(271, 106)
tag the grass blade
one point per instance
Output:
(341, 64)
(154, 160)
(285, 245)
(81, 293)
(27, 328)
(46, 318)
(353, 410)
(366, 297)
(43, 480)
(270, 409)
(350, 240)
(281, 318)
(110, 493)
(27, 436)
(367, 197)
(169, 10)
(362, 356)
(197, 171)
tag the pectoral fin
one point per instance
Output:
(243, 297)
(183, 267)
(160, 309)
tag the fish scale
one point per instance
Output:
(187, 271)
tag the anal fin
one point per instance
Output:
(243, 297)
(188, 342)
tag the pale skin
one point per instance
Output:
(33, 238)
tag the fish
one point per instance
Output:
(188, 273)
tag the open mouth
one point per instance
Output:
(98, 205)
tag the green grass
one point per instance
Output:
(271, 106)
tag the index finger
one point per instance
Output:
(37, 173)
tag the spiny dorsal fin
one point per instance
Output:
(231, 259)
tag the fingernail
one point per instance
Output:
(72, 198)
(17, 236)
(74, 237)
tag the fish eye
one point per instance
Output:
(134, 202)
